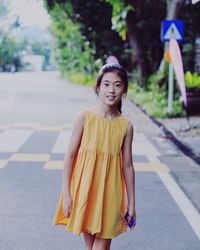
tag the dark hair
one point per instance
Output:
(121, 73)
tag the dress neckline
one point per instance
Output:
(103, 118)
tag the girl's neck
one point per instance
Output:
(107, 112)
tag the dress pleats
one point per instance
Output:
(97, 185)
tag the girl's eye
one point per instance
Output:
(106, 84)
(118, 85)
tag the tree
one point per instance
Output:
(173, 8)
(138, 23)
(74, 52)
(8, 50)
(3, 9)
(9, 47)
(94, 19)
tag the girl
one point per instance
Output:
(98, 166)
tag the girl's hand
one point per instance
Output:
(131, 211)
(67, 206)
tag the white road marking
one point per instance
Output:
(142, 146)
(153, 159)
(186, 207)
(61, 143)
(3, 163)
(12, 139)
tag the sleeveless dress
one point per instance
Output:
(97, 185)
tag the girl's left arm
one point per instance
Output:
(128, 169)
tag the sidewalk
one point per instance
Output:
(183, 132)
(186, 132)
(184, 170)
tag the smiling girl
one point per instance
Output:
(98, 170)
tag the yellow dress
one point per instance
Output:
(97, 185)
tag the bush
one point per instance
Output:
(153, 99)
(192, 80)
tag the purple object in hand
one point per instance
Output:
(131, 223)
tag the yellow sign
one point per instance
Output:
(167, 56)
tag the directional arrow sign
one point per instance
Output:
(172, 29)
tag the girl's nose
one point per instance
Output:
(111, 89)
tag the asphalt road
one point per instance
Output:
(36, 115)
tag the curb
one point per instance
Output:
(172, 137)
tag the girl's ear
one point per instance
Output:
(98, 89)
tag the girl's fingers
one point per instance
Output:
(67, 212)
(67, 207)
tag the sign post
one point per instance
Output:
(171, 29)
(170, 88)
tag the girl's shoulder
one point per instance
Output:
(94, 112)
(91, 114)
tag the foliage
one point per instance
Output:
(119, 14)
(94, 19)
(43, 49)
(190, 16)
(74, 53)
(153, 99)
(97, 28)
(192, 80)
(3, 8)
(9, 49)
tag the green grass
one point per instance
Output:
(154, 101)
(84, 79)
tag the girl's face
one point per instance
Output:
(111, 89)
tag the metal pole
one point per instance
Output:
(170, 88)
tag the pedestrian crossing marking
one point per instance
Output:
(138, 148)
(151, 167)
(25, 125)
(58, 164)
(54, 165)
(30, 157)
(14, 140)
(3, 163)
(61, 142)
(49, 128)
(4, 126)
(37, 126)
(68, 126)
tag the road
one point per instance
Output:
(36, 116)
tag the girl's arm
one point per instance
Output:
(73, 146)
(128, 169)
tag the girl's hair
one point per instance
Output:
(121, 73)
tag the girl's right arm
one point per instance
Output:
(73, 146)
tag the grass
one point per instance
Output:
(154, 101)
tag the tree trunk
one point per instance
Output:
(137, 58)
(173, 8)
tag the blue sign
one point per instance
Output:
(172, 29)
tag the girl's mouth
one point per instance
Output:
(110, 98)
